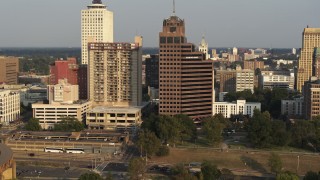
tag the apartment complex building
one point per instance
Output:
(96, 26)
(293, 107)
(9, 106)
(253, 64)
(183, 74)
(277, 79)
(9, 69)
(115, 74)
(245, 80)
(311, 40)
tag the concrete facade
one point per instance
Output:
(112, 118)
(235, 108)
(311, 40)
(9, 106)
(50, 114)
(292, 107)
(63, 92)
(115, 77)
(96, 26)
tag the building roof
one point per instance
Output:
(312, 30)
(6, 154)
(105, 109)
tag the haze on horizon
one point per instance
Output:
(227, 23)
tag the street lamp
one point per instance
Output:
(298, 164)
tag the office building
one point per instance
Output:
(245, 80)
(9, 69)
(9, 106)
(63, 101)
(311, 40)
(152, 71)
(183, 74)
(235, 51)
(277, 79)
(115, 74)
(63, 92)
(312, 98)
(96, 26)
(316, 63)
(203, 47)
(227, 80)
(83, 81)
(293, 107)
(51, 114)
(64, 69)
(227, 109)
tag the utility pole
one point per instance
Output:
(298, 165)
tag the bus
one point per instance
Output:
(75, 150)
(53, 150)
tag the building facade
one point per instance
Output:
(96, 26)
(311, 40)
(64, 69)
(152, 71)
(9, 69)
(63, 92)
(9, 106)
(245, 80)
(227, 80)
(113, 118)
(83, 81)
(312, 98)
(183, 74)
(8, 167)
(115, 74)
(51, 114)
(277, 79)
(292, 108)
(253, 64)
(235, 108)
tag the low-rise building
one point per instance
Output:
(292, 108)
(50, 114)
(9, 106)
(277, 79)
(235, 108)
(245, 80)
(114, 118)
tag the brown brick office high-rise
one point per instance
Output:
(185, 78)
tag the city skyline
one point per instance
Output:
(225, 24)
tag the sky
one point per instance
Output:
(224, 23)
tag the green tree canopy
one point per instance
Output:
(213, 127)
(90, 176)
(312, 176)
(136, 169)
(149, 142)
(69, 124)
(287, 176)
(33, 125)
(181, 173)
(210, 171)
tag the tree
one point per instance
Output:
(69, 124)
(210, 171)
(136, 169)
(167, 129)
(275, 163)
(181, 173)
(287, 176)
(312, 176)
(90, 176)
(187, 128)
(109, 176)
(212, 128)
(163, 151)
(33, 125)
(149, 142)
(259, 129)
(280, 135)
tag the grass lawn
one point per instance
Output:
(239, 160)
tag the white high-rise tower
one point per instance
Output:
(96, 26)
(203, 47)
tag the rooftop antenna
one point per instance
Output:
(174, 7)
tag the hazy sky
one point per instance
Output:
(225, 23)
